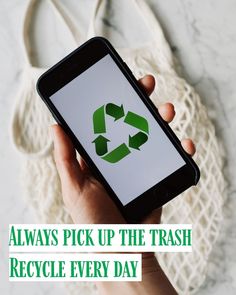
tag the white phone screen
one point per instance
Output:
(117, 130)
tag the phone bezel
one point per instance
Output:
(73, 65)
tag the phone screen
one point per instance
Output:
(117, 130)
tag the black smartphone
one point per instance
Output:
(116, 128)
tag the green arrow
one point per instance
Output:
(99, 125)
(115, 111)
(101, 145)
(137, 140)
(117, 154)
(136, 121)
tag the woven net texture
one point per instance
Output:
(200, 206)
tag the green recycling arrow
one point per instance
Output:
(99, 125)
(115, 111)
(135, 141)
(101, 145)
(117, 154)
(136, 121)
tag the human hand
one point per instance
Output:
(88, 202)
(84, 196)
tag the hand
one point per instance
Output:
(88, 202)
(84, 196)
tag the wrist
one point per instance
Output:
(150, 263)
(153, 281)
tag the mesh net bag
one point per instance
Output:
(200, 206)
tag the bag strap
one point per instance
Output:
(62, 14)
(148, 17)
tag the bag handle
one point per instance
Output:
(62, 14)
(148, 17)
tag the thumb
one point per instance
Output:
(68, 167)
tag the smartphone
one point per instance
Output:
(117, 129)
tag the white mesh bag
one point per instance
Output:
(200, 206)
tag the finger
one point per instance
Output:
(188, 146)
(167, 111)
(84, 167)
(65, 157)
(148, 83)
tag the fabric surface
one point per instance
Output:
(200, 206)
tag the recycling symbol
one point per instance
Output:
(130, 118)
